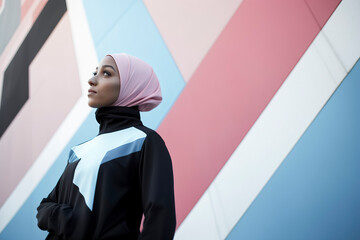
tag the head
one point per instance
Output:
(124, 80)
(105, 84)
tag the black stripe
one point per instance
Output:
(15, 91)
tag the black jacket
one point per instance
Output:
(110, 181)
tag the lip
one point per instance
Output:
(91, 91)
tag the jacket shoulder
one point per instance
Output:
(150, 133)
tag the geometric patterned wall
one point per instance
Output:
(260, 111)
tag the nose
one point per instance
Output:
(92, 81)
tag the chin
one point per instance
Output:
(98, 104)
(94, 105)
(91, 104)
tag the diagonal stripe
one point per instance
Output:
(240, 74)
(315, 191)
(276, 131)
(14, 97)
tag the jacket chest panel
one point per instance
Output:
(101, 149)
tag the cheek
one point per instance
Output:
(112, 90)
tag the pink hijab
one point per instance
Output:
(139, 85)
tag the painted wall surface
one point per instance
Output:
(260, 111)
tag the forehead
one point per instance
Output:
(107, 60)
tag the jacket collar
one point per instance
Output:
(114, 118)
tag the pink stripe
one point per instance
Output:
(38, 9)
(321, 9)
(25, 8)
(236, 80)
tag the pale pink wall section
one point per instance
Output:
(54, 88)
(189, 28)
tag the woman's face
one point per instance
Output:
(105, 84)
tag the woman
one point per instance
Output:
(123, 172)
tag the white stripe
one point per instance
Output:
(87, 60)
(282, 123)
(342, 30)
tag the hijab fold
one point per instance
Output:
(139, 85)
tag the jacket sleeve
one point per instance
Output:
(157, 189)
(53, 216)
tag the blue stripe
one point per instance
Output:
(123, 150)
(315, 193)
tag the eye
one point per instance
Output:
(106, 73)
(94, 73)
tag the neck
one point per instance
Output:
(114, 118)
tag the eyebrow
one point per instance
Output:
(107, 66)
